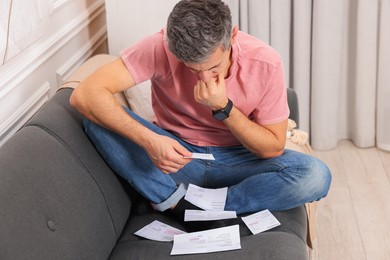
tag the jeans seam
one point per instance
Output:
(206, 174)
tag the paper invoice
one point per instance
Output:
(159, 231)
(213, 240)
(207, 199)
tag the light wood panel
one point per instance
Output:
(353, 220)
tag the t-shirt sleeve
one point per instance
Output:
(273, 107)
(142, 58)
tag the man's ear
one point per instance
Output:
(234, 34)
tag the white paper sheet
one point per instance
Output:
(261, 221)
(201, 215)
(213, 240)
(158, 231)
(202, 156)
(207, 199)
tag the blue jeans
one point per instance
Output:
(254, 184)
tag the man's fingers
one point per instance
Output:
(175, 161)
(220, 79)
(171, 168)
(182, 151)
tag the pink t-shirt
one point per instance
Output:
(255, 85)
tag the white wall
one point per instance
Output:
(128, 21)
(48, 40)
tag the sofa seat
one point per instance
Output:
(288, 241)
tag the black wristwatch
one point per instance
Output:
(223, 113)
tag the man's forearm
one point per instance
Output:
(101, 107)
(94, 98)
(264, 141)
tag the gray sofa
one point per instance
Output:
(59, 200)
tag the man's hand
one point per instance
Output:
(167, 154)
(212, 93)
(265, 141)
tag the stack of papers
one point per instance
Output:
(212, 201)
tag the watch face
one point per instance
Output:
(220, 115)
(223, 113)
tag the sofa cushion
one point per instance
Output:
(59, 200)
(60, 119)
(139, 99)
(50, 206)
(288, 241)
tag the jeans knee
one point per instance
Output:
(321, 178)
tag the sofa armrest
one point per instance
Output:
(87, 68)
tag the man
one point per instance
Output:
(214, 90)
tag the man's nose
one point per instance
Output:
(205, 76)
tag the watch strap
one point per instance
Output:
(223, 113)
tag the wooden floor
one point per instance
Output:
(353, 221)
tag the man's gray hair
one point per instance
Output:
(196, 28)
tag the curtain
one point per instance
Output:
(336, 55)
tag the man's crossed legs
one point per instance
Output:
(254, 184)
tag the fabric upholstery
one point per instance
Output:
(58, 198)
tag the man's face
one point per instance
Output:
(218, 63)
